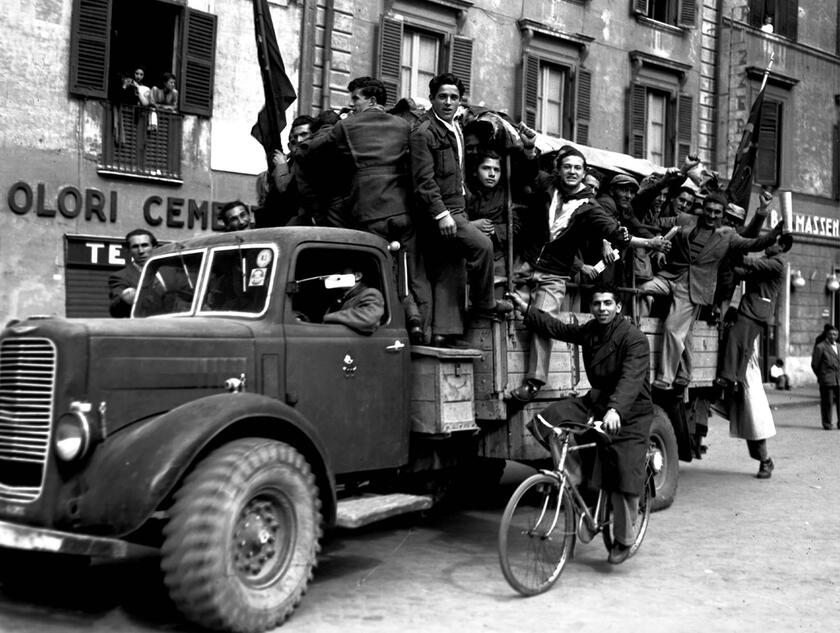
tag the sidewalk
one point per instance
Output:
(796, 397)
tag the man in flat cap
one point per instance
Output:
(571, 217)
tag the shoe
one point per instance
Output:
(449, 341)
(497, 312)
(527, 391)
(618, 554)
(765, 469)
(415, 333)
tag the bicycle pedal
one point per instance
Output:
(586, 532)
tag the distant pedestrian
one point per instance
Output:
(778, 375)
(825, 362)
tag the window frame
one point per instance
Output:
(787, 27)
(682, 13)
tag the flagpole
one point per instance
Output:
(265, 71)
(767, 71)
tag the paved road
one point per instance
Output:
(732, 554)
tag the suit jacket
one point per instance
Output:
(128, 277)
(764, 280)
(703, 269)
(361, 309)
(376, 144)
(826, 365)
(435, 168)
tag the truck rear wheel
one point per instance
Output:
(243, 536)
(664, 440)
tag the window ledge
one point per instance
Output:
(107, 172)
(661, 26)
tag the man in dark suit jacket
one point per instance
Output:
(376, 146)
(764, 280)
(122, 285)
(360, 308)
(825, 363)
(616, 356)
(690, 278)
(437, 167)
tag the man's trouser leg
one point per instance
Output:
(826, 393)
(477, 250)
(547, 296)
(676, 356)
(625, 511)
(758, 449)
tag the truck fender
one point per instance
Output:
(137, 468)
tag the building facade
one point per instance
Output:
(651, 78)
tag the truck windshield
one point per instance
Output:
(240, 279)
(168, 285)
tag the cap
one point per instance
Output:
(623, 180)
(786, 241)
(735, 211)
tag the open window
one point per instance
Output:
(659, 114)
(555, 91)
(316, 289)
(775, 16)
(677, 13)
(111, 39)
(418, 40)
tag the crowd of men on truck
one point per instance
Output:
(470, 201)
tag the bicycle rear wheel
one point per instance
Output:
(537, 534)
(642, 516)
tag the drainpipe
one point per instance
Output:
(307, 56)
(326, 70)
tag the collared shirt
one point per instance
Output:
(559, 221)
(459, 143)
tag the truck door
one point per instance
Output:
(349, 382)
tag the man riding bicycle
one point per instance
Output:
(616, 356)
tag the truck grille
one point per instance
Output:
(27, 380)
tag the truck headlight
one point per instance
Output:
(72, 436)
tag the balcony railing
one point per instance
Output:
(140, 142)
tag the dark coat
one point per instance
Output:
(361, 309)
(127, 277)
(375, 144)
(703, 270)
(435, 168)
(826, 365)
(764, 280)
(617, 362)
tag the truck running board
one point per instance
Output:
(355, 512)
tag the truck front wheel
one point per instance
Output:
(664, 440)
(243, 536)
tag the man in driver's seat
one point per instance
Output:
(359, 307)
(616, 356)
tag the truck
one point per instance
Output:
(225, 426)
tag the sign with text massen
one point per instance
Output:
(816, 225)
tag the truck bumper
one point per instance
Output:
(25, 537)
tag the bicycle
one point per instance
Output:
(546, 514)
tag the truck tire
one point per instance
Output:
(243, 536)
(663, 439)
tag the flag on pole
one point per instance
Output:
(740, 185)
(279, 92)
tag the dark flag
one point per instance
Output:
(740, 185)
(279, 92)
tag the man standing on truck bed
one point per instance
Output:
(616, 356)
(689, 278)
(437, 166)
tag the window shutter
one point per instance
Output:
(640, 7)
(684, 132)
(767, 154)
(582, 105)
(197, 63)
(788, 26)
(756, 16)
(528, 88)
(688, 13)
(90, 48)
(460, 60)
(388, 57)
(637, 120)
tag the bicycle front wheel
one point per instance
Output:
(537, 534)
